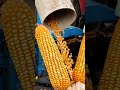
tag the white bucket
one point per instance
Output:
(62, 9)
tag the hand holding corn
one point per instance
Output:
(53, 60)
(77, 86)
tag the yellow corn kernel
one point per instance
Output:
(15, 21)
(111, 72)
(79, 69)
(52, 58)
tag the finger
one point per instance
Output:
(73, 87)
(80, 86)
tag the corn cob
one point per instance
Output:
(110, 79)
(18, 22)
(62, 44)
(52, 58)
(79, 69)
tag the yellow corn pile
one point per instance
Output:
(18, 22)
(79, 69)
(110, 79)
(52, 58)
(68, 61)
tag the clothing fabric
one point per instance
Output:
(82, 5)
(117, 10)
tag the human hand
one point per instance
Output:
(77, 86)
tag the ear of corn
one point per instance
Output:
(52, 58)
(79, 69)
(110, 79)
(18, 24)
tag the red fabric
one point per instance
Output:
(82, 5)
